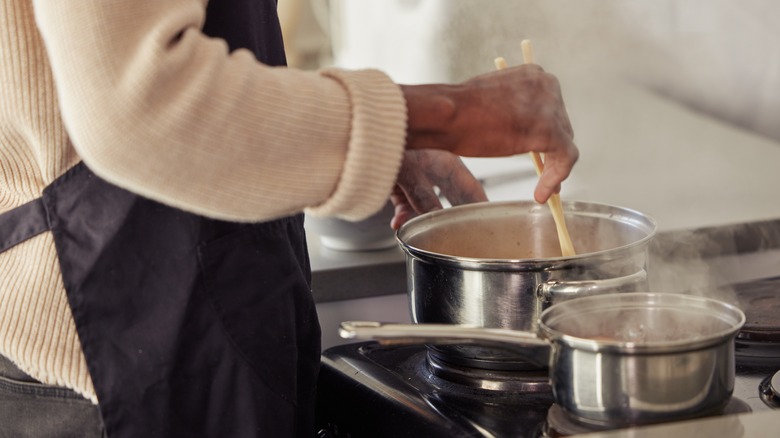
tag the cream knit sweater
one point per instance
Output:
(136, 91)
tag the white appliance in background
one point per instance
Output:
(400, 37)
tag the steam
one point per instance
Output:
(474, 33)
(707, 261)
(677, 264)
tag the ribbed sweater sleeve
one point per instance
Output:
(154, 106)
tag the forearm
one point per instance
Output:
(153, 105)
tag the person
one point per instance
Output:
(155, 161)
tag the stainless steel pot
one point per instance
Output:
(499, 265)
(617, 359)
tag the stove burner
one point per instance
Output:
(496, 380)
(491, 358)
(758, 342)
(561, 424)
(760, 301)
(770, 391)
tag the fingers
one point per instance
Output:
(557, 167)
(403, 210)
(543, 192)
(554, 137)
(461, 187)
(411, 201)
(422, 172)
(414, 184)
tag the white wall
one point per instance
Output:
(718, 56)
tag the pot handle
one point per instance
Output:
(448, 334)
(557, 291)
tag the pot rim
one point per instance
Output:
(640, 220)
(733, 316)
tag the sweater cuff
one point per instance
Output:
(376, 145)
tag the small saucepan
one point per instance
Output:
(617, 359)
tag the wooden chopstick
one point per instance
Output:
(567, 247)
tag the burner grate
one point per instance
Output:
(758, 343)
(532, 381)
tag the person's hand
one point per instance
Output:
(502, 113)
(424, 170)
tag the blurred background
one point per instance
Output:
(719, 57)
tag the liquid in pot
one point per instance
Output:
(521, 236)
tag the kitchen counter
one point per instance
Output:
(752, 425)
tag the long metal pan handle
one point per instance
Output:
(444, 334)
(556, 291)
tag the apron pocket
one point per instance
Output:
(263, 300)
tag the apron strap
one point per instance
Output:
(22, 223)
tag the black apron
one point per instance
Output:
(191, 327)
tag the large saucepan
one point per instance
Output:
(617, 359)
(498, 265)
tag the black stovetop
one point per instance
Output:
(372, 390)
